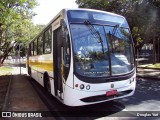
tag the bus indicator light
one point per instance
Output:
(88, 87)
(131, 80)
(76, 85)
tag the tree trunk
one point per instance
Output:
(0, 60)
(158, 56)
(4, 56)
(154, 48)
(137, 62)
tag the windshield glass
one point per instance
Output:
(121, 51)
(91, 46)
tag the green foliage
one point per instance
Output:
(116, 6)
(155, 2)
(6, 68)
(157, 65)
(136, 35)
(15, 23)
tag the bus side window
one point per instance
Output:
(31, 49)
(35, 47)
(40, 45)
(48, 41)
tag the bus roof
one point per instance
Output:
(62, 12)
(85, 9)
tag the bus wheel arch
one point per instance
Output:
(47, 84)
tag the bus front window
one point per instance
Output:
(90, 50)
(101, 51)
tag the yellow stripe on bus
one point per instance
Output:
(45, 65)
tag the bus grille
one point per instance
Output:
(104, 97)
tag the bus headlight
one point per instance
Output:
(81, 86)
(132, 80)
(88, 87)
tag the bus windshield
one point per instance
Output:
(101, 51)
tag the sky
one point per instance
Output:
(47, 9)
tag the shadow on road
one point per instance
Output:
(146, 97)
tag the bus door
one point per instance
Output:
(57, 57)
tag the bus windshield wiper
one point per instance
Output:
(115, 29)
(95, 32)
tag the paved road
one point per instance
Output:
(146, 99)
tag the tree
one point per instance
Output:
(151, 26)
(27, 33)
(116, 6)
(155, 3)
(15, 17)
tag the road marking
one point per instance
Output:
(114, 117)
(123, 109)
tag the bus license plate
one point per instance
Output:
(112, 92)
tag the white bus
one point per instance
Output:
(83, 57)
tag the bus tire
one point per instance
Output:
(47, 84)
(29, 71)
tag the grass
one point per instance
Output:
(157, 65)
(5, 70)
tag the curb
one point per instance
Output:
(148, 77)
(149, 68)
(7, 94)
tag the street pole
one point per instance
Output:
(158, 51)
(19, 51)
(19, 59)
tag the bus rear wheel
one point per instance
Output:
(47, 83)
(29, 71)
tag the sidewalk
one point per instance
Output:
(148, 73)
(22, 96)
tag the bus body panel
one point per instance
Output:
(39, 65)
(72, 97)
(103, 86)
